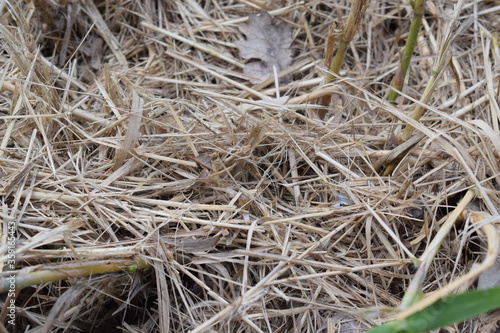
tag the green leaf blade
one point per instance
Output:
(445, 312)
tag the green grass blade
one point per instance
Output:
(446, 311)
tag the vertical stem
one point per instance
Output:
(357, 12)
(338, 60)
(442, 58)
(419, 109)
(398, 80)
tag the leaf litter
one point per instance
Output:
(268, 42)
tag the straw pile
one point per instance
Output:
(155, 188)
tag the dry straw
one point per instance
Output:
(151, 187)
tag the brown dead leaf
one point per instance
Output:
(194, 245)
(266, 41)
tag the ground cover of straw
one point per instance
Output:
(154, 188)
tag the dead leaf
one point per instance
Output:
(267, 42)
(194, 245)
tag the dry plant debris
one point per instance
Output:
(266, 41)
(152, 188)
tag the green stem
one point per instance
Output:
(337, 60)
(419, 109)
(358, 9)
(443, 57)
(399, 78)
(51, 274)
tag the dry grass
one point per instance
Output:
(155, 189)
